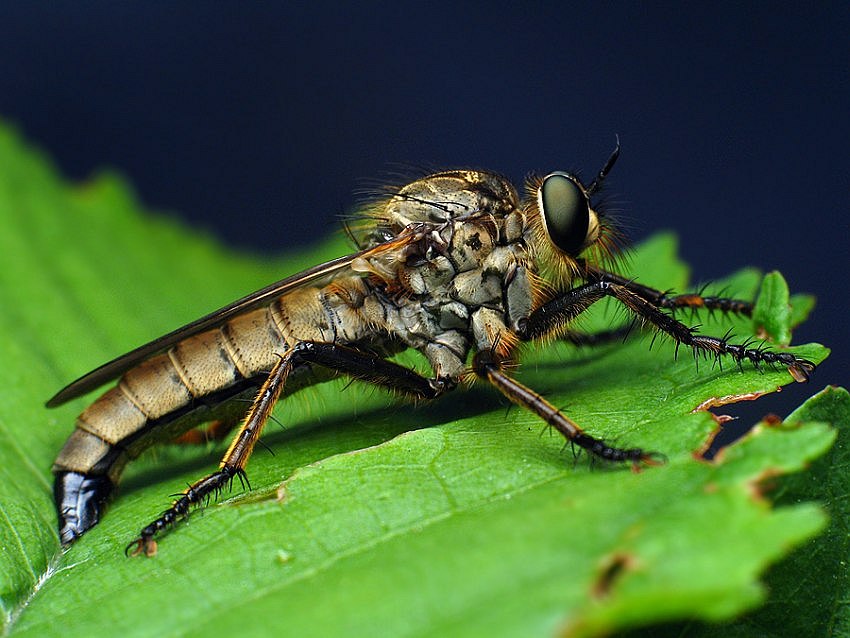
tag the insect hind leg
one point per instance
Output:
(194, 494)
(232, 465)
(355, 363)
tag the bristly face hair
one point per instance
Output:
(603, 243)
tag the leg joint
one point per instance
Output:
(485, 361)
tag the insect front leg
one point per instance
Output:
(568, 305)
(668, 301)
(352, 362)
(488, 365)
(659, 298)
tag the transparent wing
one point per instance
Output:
(263, 297)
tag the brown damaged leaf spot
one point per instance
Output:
(716, 402)
(769, 420)
(759, 486)
(700, 454)
(281, 494)
(613, 568)
(772, 420)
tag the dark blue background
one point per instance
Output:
(260, 123)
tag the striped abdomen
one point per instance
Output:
(169, 393)
(191, 383)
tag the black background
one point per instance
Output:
(260, 122)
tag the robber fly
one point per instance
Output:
(453, 265)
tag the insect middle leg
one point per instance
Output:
(489, 366)
(350, 361)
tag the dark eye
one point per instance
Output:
(565, 211)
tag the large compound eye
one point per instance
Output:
(565, 211)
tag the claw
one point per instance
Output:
(801, 370)
(142, 545)
(651, 459)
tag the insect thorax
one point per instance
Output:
(469, 277)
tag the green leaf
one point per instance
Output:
(772, 314)
(373, 517)
(814, 583)
(808, 589)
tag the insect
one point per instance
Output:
(454, 265)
